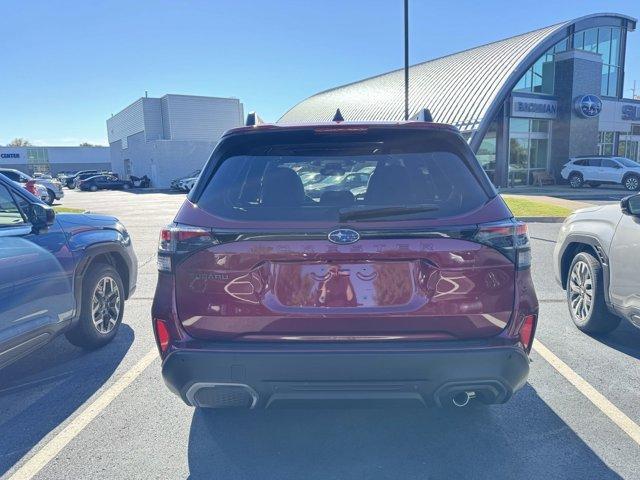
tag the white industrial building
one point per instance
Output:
(54, 160)
(168, 137)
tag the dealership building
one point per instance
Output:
(169, 137)
(525, 104)
(54, 160)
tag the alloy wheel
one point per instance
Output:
(581, 290)
(105, 305)
(631, 183)
(575, 181)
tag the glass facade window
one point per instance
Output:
(605, 143)
(528, 149)
(540, 77)
(487, 152)
(629, 149)
(38, 160)
(606, 42)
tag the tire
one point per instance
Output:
(126, 186)
(89, 334)
(93, 188)
(576, 180)
(51, 197)
(594, 184)
(585, 275)
(631, 183)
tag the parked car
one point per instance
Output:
(69, 180)
(175, 183)
(65, 273)
(186, 184)
(595, 171)
(596, 261)
(348, 181)
(53, 188)
(420, 291)
(103, 182)
(35, 189)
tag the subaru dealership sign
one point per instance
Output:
(588, 106)
(531, 107)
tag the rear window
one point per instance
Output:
(319, 181)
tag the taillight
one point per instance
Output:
(526, 332)
(162, 335)
(30, 186)
(511, 238)
(179, 239)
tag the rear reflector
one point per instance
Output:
(526, 331)
(162, 335)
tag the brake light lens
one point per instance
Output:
(181, 239)
(162, 335)
(30, 186)
(511, 238)
(526, 332)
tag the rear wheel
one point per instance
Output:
(576, 180)
(93, 188)
(585, 296)
(632, 183)
(101, 310)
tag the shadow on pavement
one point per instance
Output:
(522, 439)
(625, 339)
(40, 391)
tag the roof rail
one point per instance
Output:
(423, 115)
(253, 119)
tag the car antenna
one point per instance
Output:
(253, 119)
(338, 116)
(423, 115)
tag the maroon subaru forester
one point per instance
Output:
(344, 263)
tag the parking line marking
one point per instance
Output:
(53, 447)
(627, 425)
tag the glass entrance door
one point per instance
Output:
(528, 149)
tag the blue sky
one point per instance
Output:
(67, 65)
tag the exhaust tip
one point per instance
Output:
(462, 399)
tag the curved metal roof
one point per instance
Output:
(462, 89)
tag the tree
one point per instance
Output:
(87, 144)
(19, 142)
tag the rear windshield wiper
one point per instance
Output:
(373, 212)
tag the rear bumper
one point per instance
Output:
(274, 375)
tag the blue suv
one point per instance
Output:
(67, 273)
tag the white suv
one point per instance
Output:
(595, 171)
(596, 260)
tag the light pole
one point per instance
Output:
(406, 60)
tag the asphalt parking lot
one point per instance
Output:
(65, 413)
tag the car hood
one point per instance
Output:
(74, 221)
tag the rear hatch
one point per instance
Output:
(397, 235)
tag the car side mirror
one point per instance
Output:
(42, 216)
(631, 205)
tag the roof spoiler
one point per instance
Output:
(423, 115)
(253, 119)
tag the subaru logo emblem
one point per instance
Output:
(588, 106)
(343, 236)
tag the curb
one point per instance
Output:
(542, 219)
